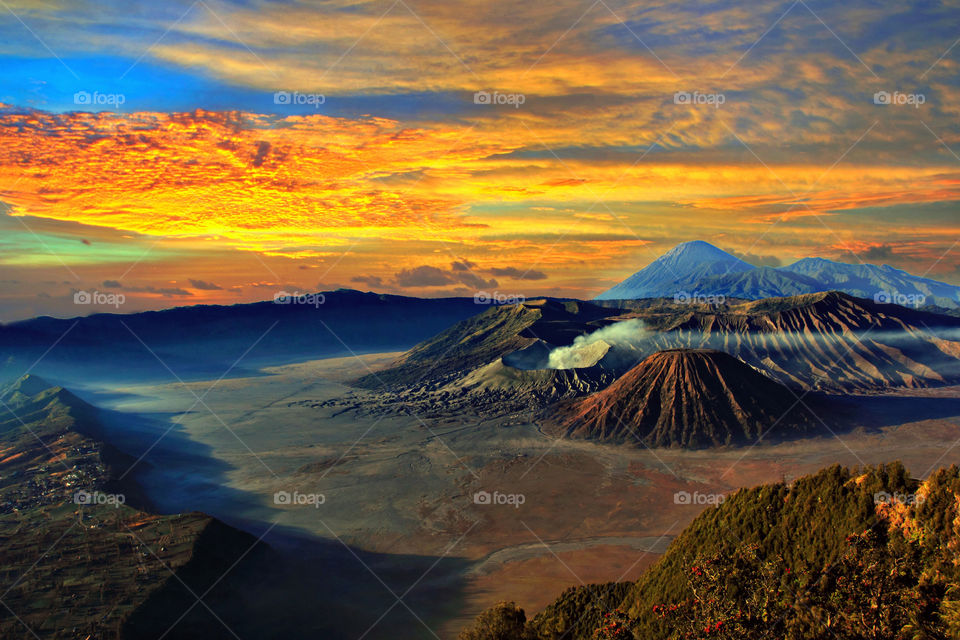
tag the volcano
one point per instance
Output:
(525, 333)
(689, 398)
(534, 385)
(699, 267)
(827, 341)
(680, 269)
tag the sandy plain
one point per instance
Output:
(400, 535)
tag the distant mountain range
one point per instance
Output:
(204, 340)
(826, 341)
(699, 270)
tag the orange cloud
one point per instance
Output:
(256, 184)
(311, 188)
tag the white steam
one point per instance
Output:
(624, 344)
(587, 350)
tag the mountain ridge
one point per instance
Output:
(205, 340)
(827, 340)
(840, 531)
(56, 472)
(698, 268)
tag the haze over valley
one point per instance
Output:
(548, 442)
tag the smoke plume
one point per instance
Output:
(587, 350)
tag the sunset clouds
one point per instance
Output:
(395, 169)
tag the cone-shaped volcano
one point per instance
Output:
(688, 398)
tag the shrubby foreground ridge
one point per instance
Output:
(820, 557)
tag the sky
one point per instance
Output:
(170, 153)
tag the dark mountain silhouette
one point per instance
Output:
(206, 340)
